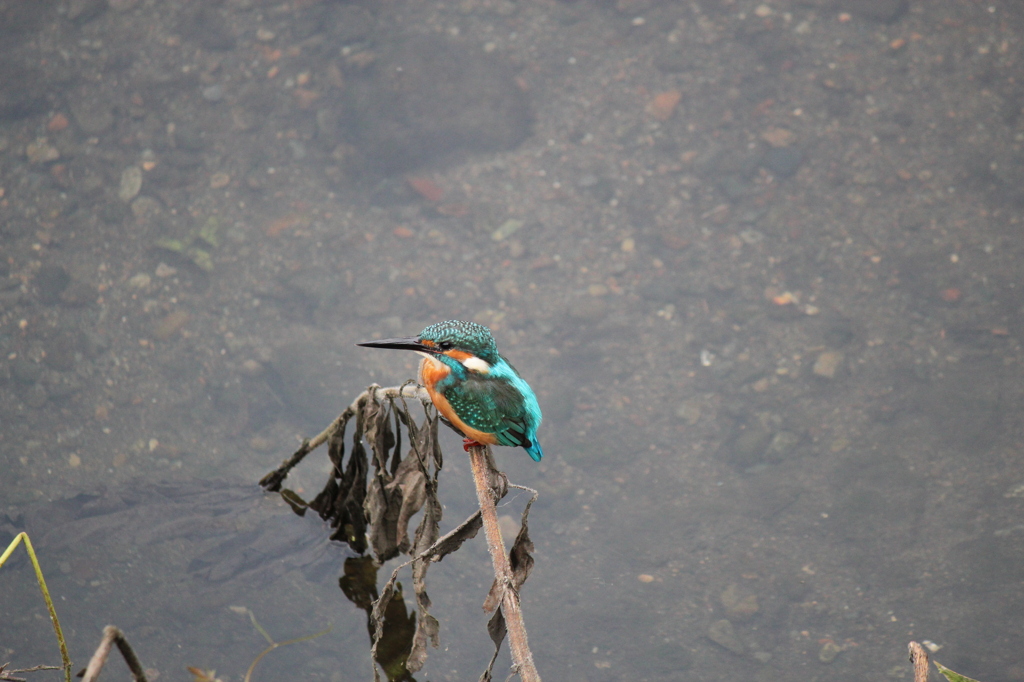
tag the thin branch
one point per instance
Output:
(8, 675)
(111, 636)
(522, 657)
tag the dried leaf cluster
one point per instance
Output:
(372, 509)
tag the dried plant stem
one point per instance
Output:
(522, 657)
(919, 659)
(111, 636)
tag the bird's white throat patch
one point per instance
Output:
(475, 364)
(429, 356)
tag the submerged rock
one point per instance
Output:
(722, 633)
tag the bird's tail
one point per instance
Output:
(534, 451)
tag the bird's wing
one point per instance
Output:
(492, 407)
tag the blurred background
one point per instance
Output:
(761, 262)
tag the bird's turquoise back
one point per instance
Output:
(498, 402)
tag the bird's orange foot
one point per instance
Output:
(467, 443)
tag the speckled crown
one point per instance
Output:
(469, 336)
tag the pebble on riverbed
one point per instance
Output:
(722, 633)
(828, 364)
(131, 183)
(829, 651)
(41, 151)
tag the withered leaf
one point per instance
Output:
(521, 555)
(409, 489)
(520, 559)
(497, 630)
(427, 627)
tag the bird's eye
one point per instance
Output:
(445, 345)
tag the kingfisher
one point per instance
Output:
(476, 390)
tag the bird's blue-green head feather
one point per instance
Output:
(467, 336)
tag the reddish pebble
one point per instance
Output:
(57, 123)
(541, 262)
(306, 98)
(285, 224)
(59, 172)
(426, 188)
(664, 104)
(951, 295)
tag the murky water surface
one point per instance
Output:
(761, 262)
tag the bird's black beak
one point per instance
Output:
(410, 343)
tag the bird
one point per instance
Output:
(474, 388)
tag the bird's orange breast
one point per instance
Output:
(431, 372)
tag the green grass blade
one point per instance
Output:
(951, 675)
(23, 537)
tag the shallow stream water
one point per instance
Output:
(761, 262)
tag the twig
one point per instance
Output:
(522, 658)
(111, 636)
(919, 659)
(8, 675)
